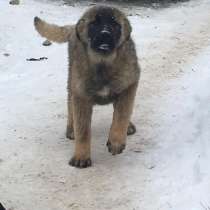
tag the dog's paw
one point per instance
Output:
(69, 133)
(115, 148)
(131, 129)
(80, 163)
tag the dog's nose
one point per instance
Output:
(106, 30)
(105, 35)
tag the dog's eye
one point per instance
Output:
(113, 18)
(115, 24)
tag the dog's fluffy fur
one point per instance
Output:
(97, 78)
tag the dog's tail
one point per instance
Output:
(53, 32)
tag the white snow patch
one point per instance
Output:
(166, 163)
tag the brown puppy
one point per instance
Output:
(103, 69)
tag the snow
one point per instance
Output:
(166, 163)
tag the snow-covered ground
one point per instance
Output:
(166, 163)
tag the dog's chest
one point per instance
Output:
(99, 85)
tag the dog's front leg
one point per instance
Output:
(82, 111)
(121, 118)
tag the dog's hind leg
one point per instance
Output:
(131, 129)
(70, 122)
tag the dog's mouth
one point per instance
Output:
(104, 47)
(103, 43)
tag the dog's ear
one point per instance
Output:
(80, 29)
(127, 29)
(53, 32)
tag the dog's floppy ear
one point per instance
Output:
(53, 32)
(127, 29)
(80, 27)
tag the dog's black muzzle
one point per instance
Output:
(103, 42)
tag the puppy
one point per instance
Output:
(103, 69)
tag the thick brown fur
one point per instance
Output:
(122, 70)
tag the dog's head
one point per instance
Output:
(103, 29)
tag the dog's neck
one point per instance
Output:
(96, 58)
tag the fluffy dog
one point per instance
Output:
(103, 68)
